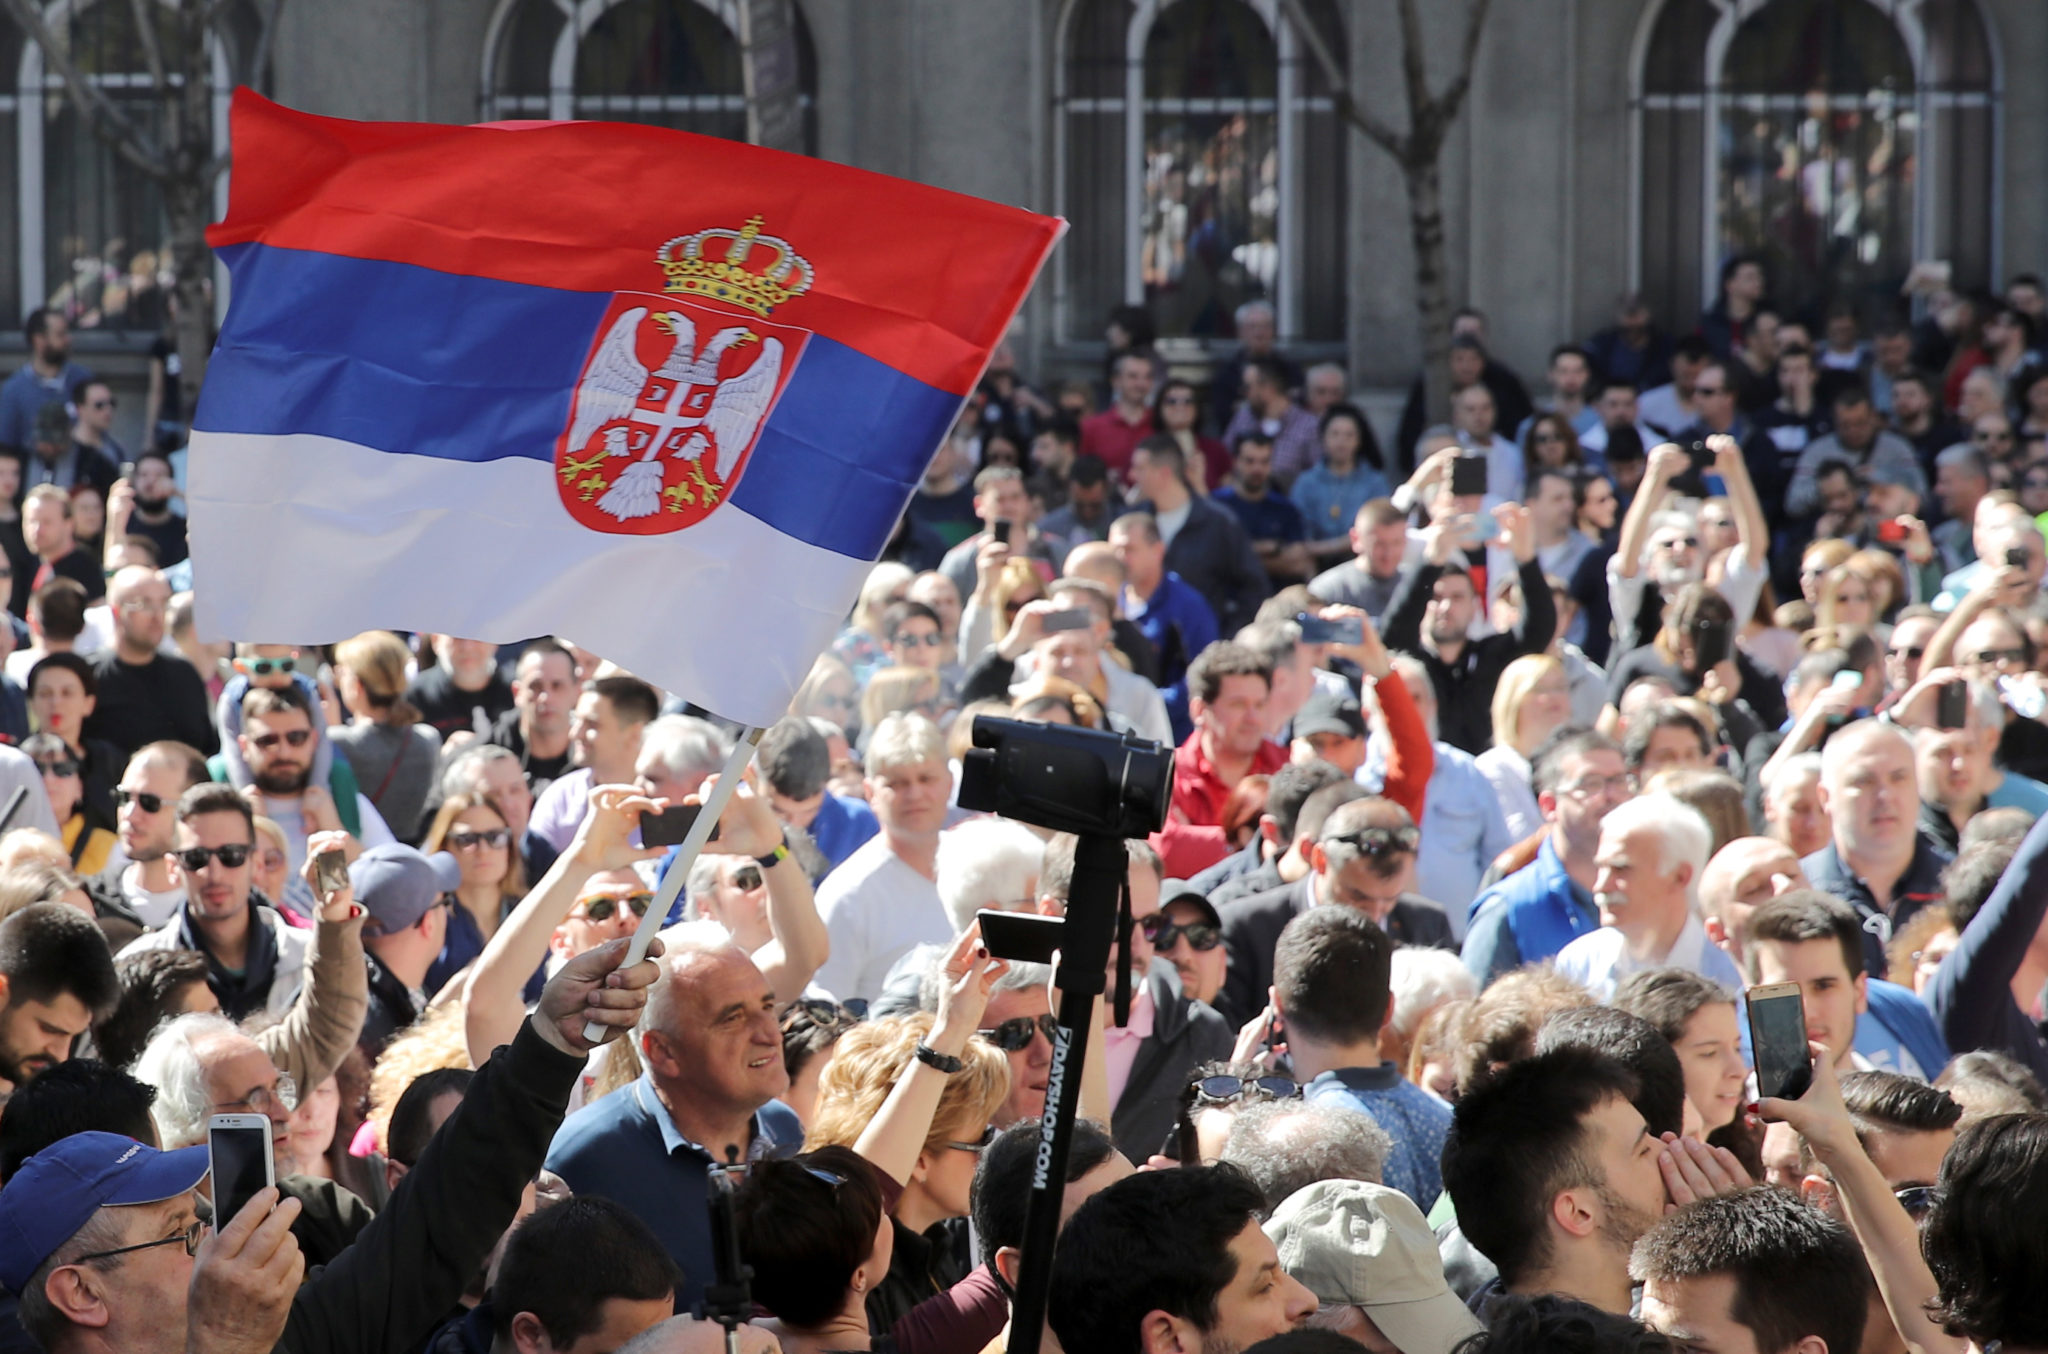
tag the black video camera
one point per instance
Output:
(1068, 779)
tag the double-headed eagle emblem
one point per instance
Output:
(682, 411)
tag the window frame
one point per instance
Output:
(1293, 102)
(1930, 99)
(34, 85)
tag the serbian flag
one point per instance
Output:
(662, 394)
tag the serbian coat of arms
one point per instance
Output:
(674, 393)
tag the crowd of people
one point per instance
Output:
(1501, 774)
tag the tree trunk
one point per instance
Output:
(188, 202)
(1432, 283)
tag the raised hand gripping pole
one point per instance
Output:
(693, 842)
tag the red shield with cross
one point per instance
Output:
(667, 410)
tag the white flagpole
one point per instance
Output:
(693, 843)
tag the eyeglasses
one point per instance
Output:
(1380, 841)
(282, 1093)
(107, 403)
(1225, 1090)
(601, 907)
(145, 605)
(263, 667)
(1164, 934)
(1017, 1032)
(298, 738)
(931, 641)
(1548, 437)
(1992, 435)
(1912, 653)
(234, 855)
(1918, 1200)
(979, 1145)
(1588, 786)
(63, 769)
(493, 837)
(141, 799)
(190, 1238)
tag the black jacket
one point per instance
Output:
(1252, 927)
(118, 921)
(1185, 1034)
(1213, 556)
(330, 1217)
(409, 1267)
(1464, 689)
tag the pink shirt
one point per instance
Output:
(1123, 1043)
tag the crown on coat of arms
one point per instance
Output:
(696, 265)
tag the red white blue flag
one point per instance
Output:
(663, 394)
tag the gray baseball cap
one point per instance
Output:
(1362, 1245)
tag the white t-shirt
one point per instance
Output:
(154, 908)
(875, 907)
(1170, 523)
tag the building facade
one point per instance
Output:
(1606, 146)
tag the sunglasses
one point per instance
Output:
(234, 855)
(1016, 1033)
(1165, 934)
(1918, 1200)
(263, 667)
(1680, 543)
(1380, 841)
(818, 1014)
(2000, 656)
(603, 906)
(468, 841)
(141, 799)
(931, 641)
(1710, 390)
(1225, 1090)
(979, 1145)
(297, 738)
(63, 769)
(1911, 653)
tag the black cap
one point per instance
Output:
(1330, 712)
(1181, 891)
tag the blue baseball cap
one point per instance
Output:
(59, 1188)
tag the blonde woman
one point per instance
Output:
(863, 644)
(999, 595)
(1532, 700)
(1814, 563)
(1845, 599)
(394, 756)
(867, 1062)
(894, 689)
(828, 693)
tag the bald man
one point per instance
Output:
(1743, 873)
(1097, 560)
(146, 695)
(1879, 861)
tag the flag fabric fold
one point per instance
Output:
(663, 394)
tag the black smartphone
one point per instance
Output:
(1952, 705)
(671, 825)
(1777, 1038)
(2017, 557)
(1023, 936)
(1711, 644)
(1073, 618)
(1001, 528)
(1468, 475)
(238, 1146)
(1337, 630)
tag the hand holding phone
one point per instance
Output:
(1777, 1036)
(1952, 705)
(1468, 475)
(671, 825)
(330, 873)
(239, 1149)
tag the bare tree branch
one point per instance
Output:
(145, 32)
(264, 40)
(1454, 95)
(100, 115)
(1415, 75)
(1348, 108)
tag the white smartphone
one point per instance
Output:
(239, 1148)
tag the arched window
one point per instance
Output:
(1839, 140)
(1201, 163)
(88, 234)
(673, 63)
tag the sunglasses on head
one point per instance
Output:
(141, 799)
(603, 906)
(297, 738)
(1380, 841)
(263, 667)
(1165, 934)
(1225, 1090)
(818, 1014)
(234, 855)
(1017, 1032)
(62, 768)
(493, 837)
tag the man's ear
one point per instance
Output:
(1570, 1209)
(1819, 1192)
(1313, 853)
(1010, 1264)
(1862, 993)
(74, 1291)
(1683, 875)
(654, 1051)
(1159, 1333)
(1716, 932)
(528, 1335)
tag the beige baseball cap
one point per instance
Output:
(1363, 1245)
